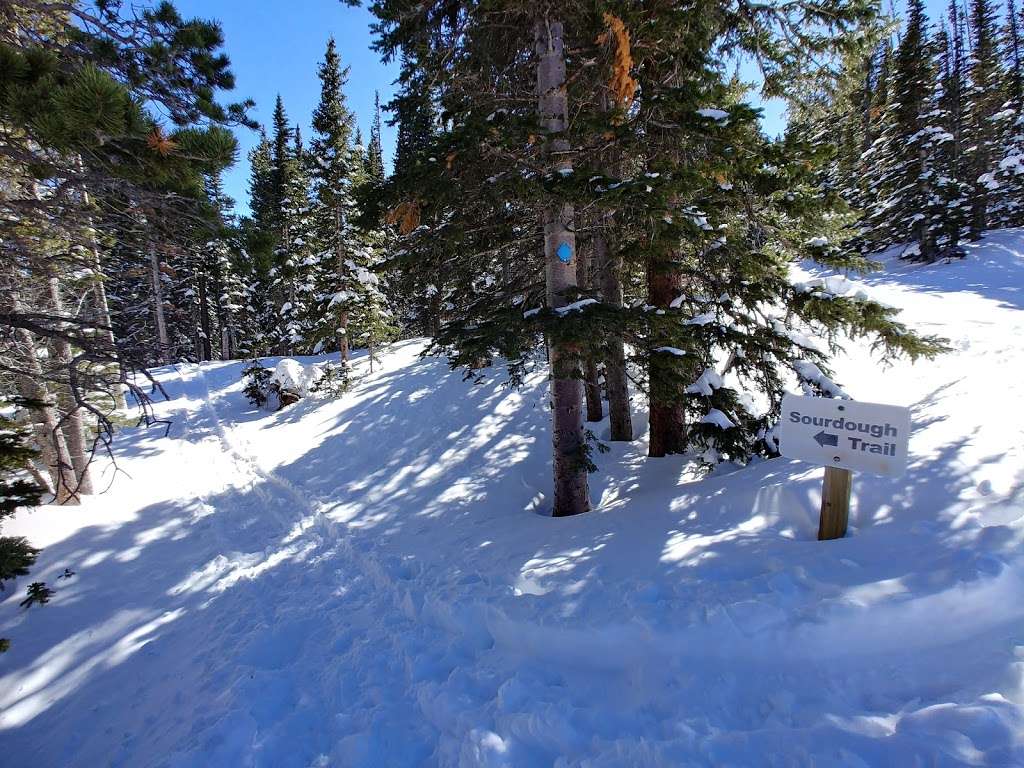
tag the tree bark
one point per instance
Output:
(609, 270)
(163, 343)
(205, 342)
(339, 246)
(220, 312)
(102, 305)
(343, 348)
(52, 446)
(667, 418)
(591, 382)
(571, 494)
(73, 425)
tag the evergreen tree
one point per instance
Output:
(706, 209)
(375, 149)
(16, 555)
(905, 146)
(334, 163)
(983, 102)
(294, 279)
(417, 293)
(123, 147)
(1008, 205)
(255, 253)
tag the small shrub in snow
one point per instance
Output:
(257, 383)
(332, 380)
(38, 592)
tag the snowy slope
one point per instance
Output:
(366, 582)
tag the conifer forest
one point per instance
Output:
(442, 422)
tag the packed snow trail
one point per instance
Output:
(366, 582)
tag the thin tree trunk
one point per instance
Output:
(667, 418)
(52, 446)
(434, 318)
(163, 343)
(205, 342)
(103, 318)
(102, 305)
(609, 270)
(73, 426)
(339, 245)
(591, 383)
(571, 494)
(221, 314)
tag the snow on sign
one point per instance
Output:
(866, 437)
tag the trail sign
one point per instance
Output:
(867, 437)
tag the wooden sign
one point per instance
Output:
(843, 435)
(866, 437)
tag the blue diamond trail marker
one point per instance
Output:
(564, 253)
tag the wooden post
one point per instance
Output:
(835, 503)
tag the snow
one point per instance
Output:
(706, 385)
(576, 306)
(295, 377)
(367, 581)
(671, 351)
(702, 319)
(718, 418)
(719, 115)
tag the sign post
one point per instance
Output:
(843, 435)
(835, 503)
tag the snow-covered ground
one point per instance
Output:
(366, 582)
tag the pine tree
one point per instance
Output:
(255, 255)
(295, 279)
(950, 206)
(16, 490)
(1008, 205)
(707, 210)
(334, 163)
(902, 158)
(375, 149)
(983, 101)
(416, 289)
(127, 144)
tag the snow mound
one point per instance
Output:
(292, 376)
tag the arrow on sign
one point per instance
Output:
(824, 438)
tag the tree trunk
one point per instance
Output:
(163, 343)
(609, 270)
(434, 316)
(205, 342)
(103, 318)
(221, 313)
(339, 247)
(52, 446)
(667, 418)
(102, 305)
(591, 383)
(343, 348)
(73, 426)
(571, 494)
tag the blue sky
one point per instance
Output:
(276, 47)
